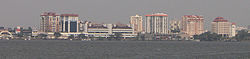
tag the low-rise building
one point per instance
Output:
(105, 30)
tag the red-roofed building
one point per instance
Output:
(50, 22)
(157, 23)
(192, 24)
(70, 23)
(223, 27)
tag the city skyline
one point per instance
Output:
(25, 12)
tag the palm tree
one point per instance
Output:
(57, 34)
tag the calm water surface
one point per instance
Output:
(55, 49)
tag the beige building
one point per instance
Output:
(50, 22)
(136, 23)
(223, 27)
(192, 25)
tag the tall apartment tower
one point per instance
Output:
(156, 23)
(192, 24)
(50, 22)
(70, 23)
(223, 27)
(136, 23)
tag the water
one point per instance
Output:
(56, 49)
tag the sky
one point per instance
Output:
(27, 12)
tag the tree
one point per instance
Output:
(100, 38)
(71, 37)
(20, 35)
(175, 30)
(57, 34)
(243, 35)
(178, 37)
(118, 36)
(208, 36)
(42, 36)
(81, 36)
(29, 28)
(111, 37)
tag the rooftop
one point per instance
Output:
(76, 15)
(158, 14)
(220, 19)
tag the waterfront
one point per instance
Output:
(66, 49)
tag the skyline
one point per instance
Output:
(26, 12)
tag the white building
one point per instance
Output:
(157, 23)
(70, 23)
(105, 30)
(223, 27)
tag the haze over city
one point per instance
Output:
(27, 12)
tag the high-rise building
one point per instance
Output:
(175, 26)
(136, 23)
(157, 23)
(192, 24)
(223, 27)
(50, 22)
(70, 23)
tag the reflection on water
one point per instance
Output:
(56, 49)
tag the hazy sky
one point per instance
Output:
(27, 12)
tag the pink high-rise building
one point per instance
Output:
(50, 22)
(192, 24)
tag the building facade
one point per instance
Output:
(50, 22)
(70, 23)
(223, 27)
(192, 24)
(175, 26)
(136, 23)
(157, 23)
(105, 30)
